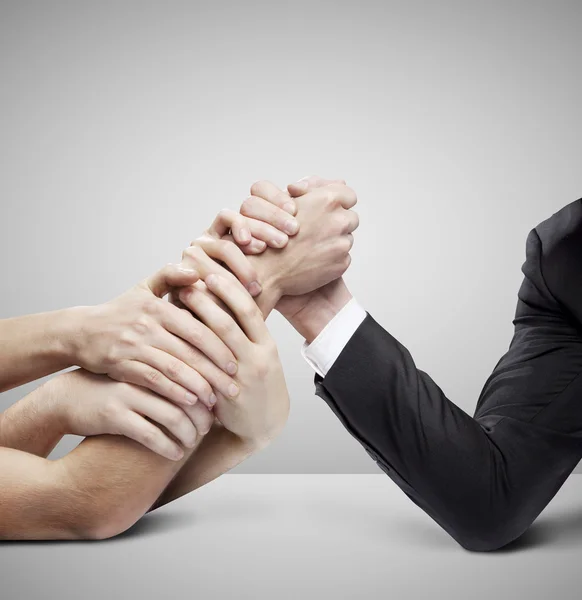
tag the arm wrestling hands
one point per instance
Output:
(85, 494)
(303, 282)
(142, 332)
(303, 277)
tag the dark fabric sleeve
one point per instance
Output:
(483, 478)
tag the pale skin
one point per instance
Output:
(108, 482)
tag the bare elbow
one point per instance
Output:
(103, 523)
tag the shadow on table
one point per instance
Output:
(156, 522)
(562, 530)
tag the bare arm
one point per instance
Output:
(109, 482)
(306, 263)
(32, 425)
(100, 488)
(34, 346)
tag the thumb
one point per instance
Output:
(169, 277)
(307, 184)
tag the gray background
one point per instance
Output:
(125, 127)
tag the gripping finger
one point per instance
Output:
(174, 419)
(137, 428)
(161, 282)
(201, 417)
(145, 376)
(198, 335)
(307, 184)
(241, 304)
(175, 370)
(218, 379)
(195, 257)
(232, 256)
(216, 319)
(269, 191)
(262, 209)
(241, 228)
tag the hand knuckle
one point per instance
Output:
(174, 369)
(192, 355)
(224, 327)
(281, 198)
(344, 245)
(151, 306)
(224, 214)
(342, 223)
(111, 410)
(152, 376)
(249, 311)
(140, 325)
(196, 337)
(149, 436)
(247, 205)
(188, 252)
(256, 187)
(175, 418)
(330, 198)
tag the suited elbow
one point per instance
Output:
(488, 533)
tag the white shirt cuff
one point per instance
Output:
(328, 345)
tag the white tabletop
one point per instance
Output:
(301, 536)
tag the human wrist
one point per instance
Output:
(271, 286)
(260, 442)
(322, 306)
(68, 332)
(52, 402)
(36, 422)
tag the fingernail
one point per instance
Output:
(258, 245)
(289, 207)
(178, 454)
(231, 368)
(301, 185)
(291, 226)
(254, 288)
(211, 280)
(245, 235)
(232, 390)
(280, 239)
(212, 399)
(186, 270)
(191, 398)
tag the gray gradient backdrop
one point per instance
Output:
(125, 127)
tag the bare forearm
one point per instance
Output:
(219, 452)
(323, 305)
(36, 345)
(32, 424)
(98, 490)
(308, 313)
(116, 481)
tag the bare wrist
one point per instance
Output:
(320, 309)
(70, 324)
(271, 288)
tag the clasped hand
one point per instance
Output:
(185, 372)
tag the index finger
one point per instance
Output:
(269, 191)
(170, 276)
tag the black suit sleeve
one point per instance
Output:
(483, 478)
